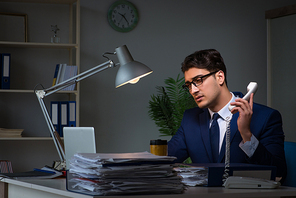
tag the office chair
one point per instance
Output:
(290, 149)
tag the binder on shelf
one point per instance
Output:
(5, 70)
(72, 114)
(64, 116)
(55, 115)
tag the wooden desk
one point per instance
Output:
(49, 188)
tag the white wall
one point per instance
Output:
(282, 46)
(168, 31)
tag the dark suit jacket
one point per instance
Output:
(192, 139)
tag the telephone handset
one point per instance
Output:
(251, 88)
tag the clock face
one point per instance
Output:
(123, 16)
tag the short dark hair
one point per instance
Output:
(209, 59)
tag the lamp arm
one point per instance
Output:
(92, 71)
(52, 131)
(45, 92)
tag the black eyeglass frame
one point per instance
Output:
(187, 86)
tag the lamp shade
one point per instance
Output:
(130, 71)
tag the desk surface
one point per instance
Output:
(57, 187)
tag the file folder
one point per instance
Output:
(72, 114)
(55, 115)
(64, 116)
(5, 71)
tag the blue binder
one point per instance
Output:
(64, 116)
(5, 71)
(55, 112)
(72, 113)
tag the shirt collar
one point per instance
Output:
(224, 112)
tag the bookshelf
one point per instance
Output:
(38, 45)
(51, 52)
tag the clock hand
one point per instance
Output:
(123, 16)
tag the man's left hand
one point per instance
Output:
(245, 110)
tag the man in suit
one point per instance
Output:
(256, 136)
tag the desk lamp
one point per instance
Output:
(130, 71)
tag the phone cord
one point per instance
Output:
(227, 150)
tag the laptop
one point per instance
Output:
(78, 140)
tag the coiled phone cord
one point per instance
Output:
(227, 151)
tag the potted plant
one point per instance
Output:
(168, 106)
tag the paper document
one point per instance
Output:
(123, 173)
(122, 157)
(192, 175)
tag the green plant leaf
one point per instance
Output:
(168, 106)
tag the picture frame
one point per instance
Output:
(14, 26)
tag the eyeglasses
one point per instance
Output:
(196, 81)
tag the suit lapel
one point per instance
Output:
(233, 131)
(204, 117)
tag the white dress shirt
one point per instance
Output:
(248, 147)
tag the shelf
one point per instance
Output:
(31, 91)
(52, 49)
(38, 45)
(25, 138)
(42, 1)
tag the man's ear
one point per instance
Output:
(220, 77)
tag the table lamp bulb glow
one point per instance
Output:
(134, 81)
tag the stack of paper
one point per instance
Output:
(123, 173)
(192, 175)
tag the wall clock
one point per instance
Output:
(123, 16)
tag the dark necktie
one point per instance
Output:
(214, 135)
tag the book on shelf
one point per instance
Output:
(11, 132)
(56, 71)
(64, 72)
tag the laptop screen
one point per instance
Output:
(78, 140)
